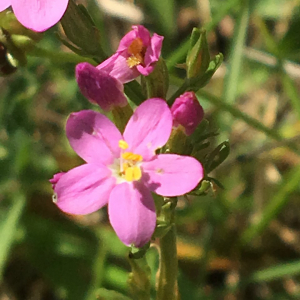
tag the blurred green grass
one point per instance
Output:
(238, 243)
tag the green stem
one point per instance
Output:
(168, 269)
(59, 57)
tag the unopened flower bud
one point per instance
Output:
(187, 112)
(198, 58)
(99, 87)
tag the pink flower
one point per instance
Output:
(187, 112)
(122, 170)
(137, 54)
(38, 15)
(99, 87)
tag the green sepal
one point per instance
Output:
(156, 84)
(121, 116)
(139, 279)
(136, 253)
(201, 146)
(201, 128)
(198, 58)
(217, 156)
(205, 185)
(196, 83)
(179, 142)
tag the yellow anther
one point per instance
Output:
(127, 155)
(137, 173)
(133, 173)
(133, 61)
(123, 145)
(138, 157)
(137, 51)
(132, 156)
(129, 174)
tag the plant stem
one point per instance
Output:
(168, 269)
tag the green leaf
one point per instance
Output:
(217, 156)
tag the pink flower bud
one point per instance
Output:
(187, 112)
(99, 87)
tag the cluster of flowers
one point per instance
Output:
(122, 170)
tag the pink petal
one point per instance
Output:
(4, 4)
(117, 67)
(39, 15)
(142, 33)
(152, 55)
(99, 87)
(149, 128)
(172, 175)
(84, 189)
(132, 214)
(56, 178)
(93, 137)
(138, 31)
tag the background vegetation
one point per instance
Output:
(240, 242)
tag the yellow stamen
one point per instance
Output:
(137, 173)
(133, 61)
(133, 173)
(132, 156)
(137, 52)
(123, 145)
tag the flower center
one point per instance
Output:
(129, 164)
(137, 51)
